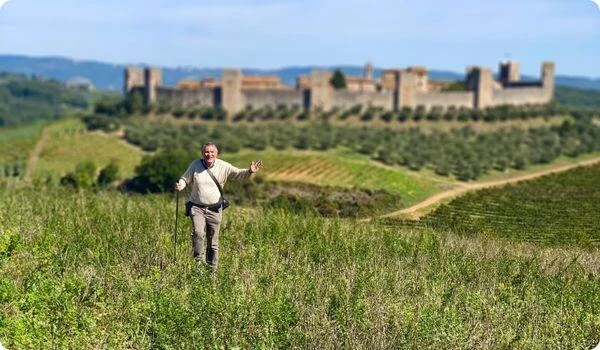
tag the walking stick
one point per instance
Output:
(175, 233)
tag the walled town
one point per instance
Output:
(395, 89)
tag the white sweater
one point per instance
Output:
(204, 191)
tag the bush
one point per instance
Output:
(83, 177)
(110, 105)
(178, 112)
(159, 172)
(108, 174)
(419, 113)
(102, 122)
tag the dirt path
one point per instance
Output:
(35, 154)
(415, 212)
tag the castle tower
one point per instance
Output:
(368, 72)
(132, 77)
(510, 72)
(231, 91)
(481, 82)
(405, 89)
(547, 76)
(421, 75)
(152, 79)
(320, 91)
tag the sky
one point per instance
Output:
(269, 34)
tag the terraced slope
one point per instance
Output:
(561, 208)
(340, 167)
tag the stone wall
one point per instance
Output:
(205, 97)
(445, 99)
(345, 99)
(262, 98)
(520, 96)
(399, 89)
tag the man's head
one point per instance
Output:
(210, 153)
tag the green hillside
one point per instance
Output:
(24, 99)
(340, 167)
(555, 209)
(18, 142)
(570, 96)
(69, 144)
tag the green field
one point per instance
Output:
(69, 144)
(18, 142)
(555, 209)
(91, 270)
(340, 167)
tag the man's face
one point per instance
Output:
(210, 153)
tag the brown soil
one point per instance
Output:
(35, 154)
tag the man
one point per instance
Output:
(205, 199)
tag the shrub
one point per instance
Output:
(178, 112)
(83, 177)
(419, 113)
(108, 174)
(159, 172)
(102, 122)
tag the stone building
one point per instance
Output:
(397, 88)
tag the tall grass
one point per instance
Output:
(93, 270)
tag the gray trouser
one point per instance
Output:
(206, 224)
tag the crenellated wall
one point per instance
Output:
(445, 99)
(345, 99)
(398, 88)
(262, 98)
(186, 97)
(519, 96)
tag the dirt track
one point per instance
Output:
(415, 212)
(35, 154)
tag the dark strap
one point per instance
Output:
(213, 177)
(202, 205)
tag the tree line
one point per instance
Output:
(27, 99)
(461, 152)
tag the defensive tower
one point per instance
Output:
(133, 77)
(152, 80)
(509, 72)
(231, 90)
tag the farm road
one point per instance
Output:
(416, 211)
(35, 154)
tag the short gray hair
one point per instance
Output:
(210, 144)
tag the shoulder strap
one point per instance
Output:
(213, 177)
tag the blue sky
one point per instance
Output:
(439, 34)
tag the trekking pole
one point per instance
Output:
(175, 234)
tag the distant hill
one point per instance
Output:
(25, 99)
(108, 76)
(569, 96)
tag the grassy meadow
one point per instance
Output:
(96, 269)
(69, 144)
(93, 270)
(18, 142)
